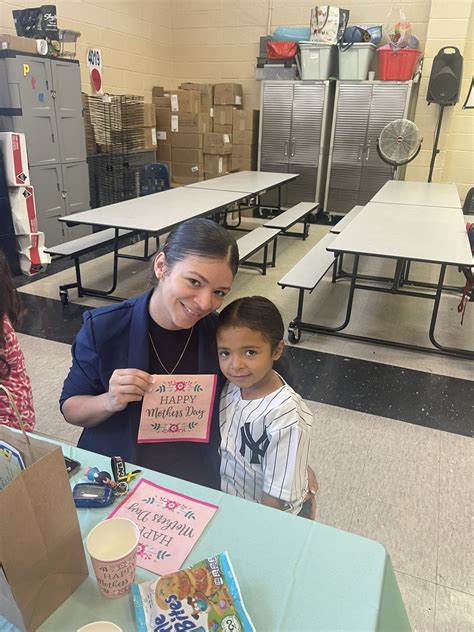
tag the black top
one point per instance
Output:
(168, 457)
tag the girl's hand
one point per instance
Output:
(127, 385)
(312, 489)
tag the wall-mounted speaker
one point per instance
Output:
(445, 77)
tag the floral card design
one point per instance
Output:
(170, 524)
(178, 409)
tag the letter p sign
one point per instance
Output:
(26, 69)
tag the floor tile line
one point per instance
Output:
(464, 592)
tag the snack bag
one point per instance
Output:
(204, 597)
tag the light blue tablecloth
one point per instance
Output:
(295, 575)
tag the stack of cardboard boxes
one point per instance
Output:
(218, 143)
(195, 131)
(245, 140)
(22, 201)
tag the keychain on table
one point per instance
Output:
(119, 488)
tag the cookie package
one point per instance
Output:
(205, 596)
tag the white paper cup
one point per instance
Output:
(100, 626)
(371, 75)
(112, 545)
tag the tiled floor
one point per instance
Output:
(392, 444)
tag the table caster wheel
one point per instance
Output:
(64, 296)
(294, 335)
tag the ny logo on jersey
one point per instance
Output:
(257, 448)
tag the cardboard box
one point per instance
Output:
(216, 165)
(162, 102)
(244, 158)
(228, 94)
(15, 159)
(22, 44)
(186, 141)
(207, 94)
(245, 138)
(163, 118)
(223, 117)
(187, 170)
(245, 120)
(149, 116)
(222, 129)
(189, 123)
(163, 124)
(149, 136)
(223, 114)
(195, 156)
(22, 202)
(185, 101)
(185, 180)
(215, 143)
(32, 255)
(163, 152)
(157, 91)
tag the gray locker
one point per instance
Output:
(55, 202)
(293, 138)
(46, 180)
(29, 92)
(361, 110)
(68, 104)
(41, 97)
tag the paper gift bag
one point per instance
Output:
(41, 549)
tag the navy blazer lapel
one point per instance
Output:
(138, 348)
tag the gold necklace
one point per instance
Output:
(180, 357)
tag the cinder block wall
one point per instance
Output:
(165, 42)
(134, 37)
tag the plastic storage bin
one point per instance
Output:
(397, 64)
(316, 60)
(354, 62)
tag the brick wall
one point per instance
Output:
(165, 42)
(134, 36)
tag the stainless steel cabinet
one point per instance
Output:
(361, 110)
(294, 132)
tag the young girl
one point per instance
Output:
(265, 426)
(12, 363)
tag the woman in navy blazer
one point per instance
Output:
(118, 349)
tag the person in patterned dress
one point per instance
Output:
(13, 375)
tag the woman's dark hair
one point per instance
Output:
(200, 237)
(260, 314)
(9, 306)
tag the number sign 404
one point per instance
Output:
(94, 57)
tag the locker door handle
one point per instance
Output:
(359, 155)
(292, 148)
(368, 151)
(52, 137)
(285, 152)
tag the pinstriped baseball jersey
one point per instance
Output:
(265, 445)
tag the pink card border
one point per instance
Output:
(208, 429)
(166, 489)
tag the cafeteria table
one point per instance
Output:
(294, 574)
(418, 194)
(157, 213)
(253, 183)
(430, 234)
(404, 233)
